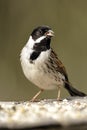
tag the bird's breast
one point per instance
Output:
(38, 72)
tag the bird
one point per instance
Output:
(41, 65)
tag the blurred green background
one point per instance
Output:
(68, 19)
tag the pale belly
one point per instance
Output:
(40, 77)
(38, 73)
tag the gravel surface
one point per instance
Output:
(45, 112)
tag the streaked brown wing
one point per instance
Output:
(59, 65)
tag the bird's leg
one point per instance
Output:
(37, 94)
(59, 92)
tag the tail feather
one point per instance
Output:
(73, 91)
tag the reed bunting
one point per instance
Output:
(41, 65)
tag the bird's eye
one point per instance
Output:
(40, 31)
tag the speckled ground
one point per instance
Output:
(45, 112)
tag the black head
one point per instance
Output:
(42, 38)
(42, 31)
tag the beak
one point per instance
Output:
(50, 33)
